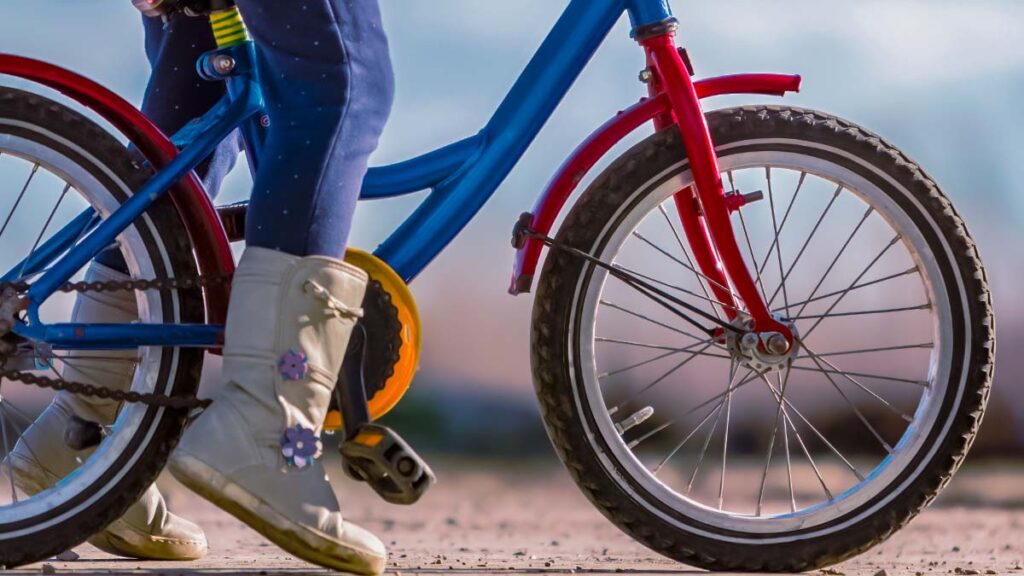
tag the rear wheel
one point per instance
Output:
(55, 166)
(712, 455)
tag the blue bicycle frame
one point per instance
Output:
(462, 175)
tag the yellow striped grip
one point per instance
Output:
(228, 28)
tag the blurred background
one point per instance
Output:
(940, 79)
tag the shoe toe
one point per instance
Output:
(370, 550)
(177, 539)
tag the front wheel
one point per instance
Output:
(724, 460)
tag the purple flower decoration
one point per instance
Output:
(293, 365)
(300, 446)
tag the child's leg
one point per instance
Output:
(328, 86)
(176, 94)
(294, 304)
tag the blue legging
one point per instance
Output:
(328, 86)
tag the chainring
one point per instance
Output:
(383, 340)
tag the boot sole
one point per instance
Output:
(295, 539)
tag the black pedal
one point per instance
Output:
(373, 453)
(378, 456)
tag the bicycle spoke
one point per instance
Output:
(800, 440)
(657, 380)
(746, 236)
(636, 344)
(771, 441)
(785, 217)
(867, 350)
(35, 168)
(45, 226)
(860, 415)
(685, 265)
(655, 359)
(659, 347)
(925, 306)
(652, 321)
(674, 287)
(700, 278)
(777, 241)
(836, 259)
(729, 389)
(863, 375)
(855, 287)
(843, 293)
(725, 439)
(653, 293)
(857, 383)
(789, 467)
(807, 454)
(814, 429)
(703, 450)
(807, 242)
(716, 398)
(686, 439)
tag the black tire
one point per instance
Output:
(57, 128)
(586, 453)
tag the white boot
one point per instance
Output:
(41, 458)
(255, 452)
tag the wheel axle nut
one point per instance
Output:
(776, 344)
(749, 340)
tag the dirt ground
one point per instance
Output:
(499, 518)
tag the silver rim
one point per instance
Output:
(68, 188)
(733, 448)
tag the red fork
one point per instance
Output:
(709, 230)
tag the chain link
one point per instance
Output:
(147, 398)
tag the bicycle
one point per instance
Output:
(664, 271)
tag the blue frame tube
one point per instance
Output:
(463, 175)
(54, 246)
(575, 37)
(420, 173)
(75, 336)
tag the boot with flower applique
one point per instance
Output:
(256, 451)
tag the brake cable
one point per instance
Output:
(647, 289)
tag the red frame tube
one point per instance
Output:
(209, 242)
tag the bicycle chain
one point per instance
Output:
(129, 396)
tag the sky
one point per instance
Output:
(941, 79)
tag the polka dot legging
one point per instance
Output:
(328, 86)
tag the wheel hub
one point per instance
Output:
(760, 351)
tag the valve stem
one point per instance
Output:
(635, 420)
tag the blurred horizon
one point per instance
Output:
(940, 79)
